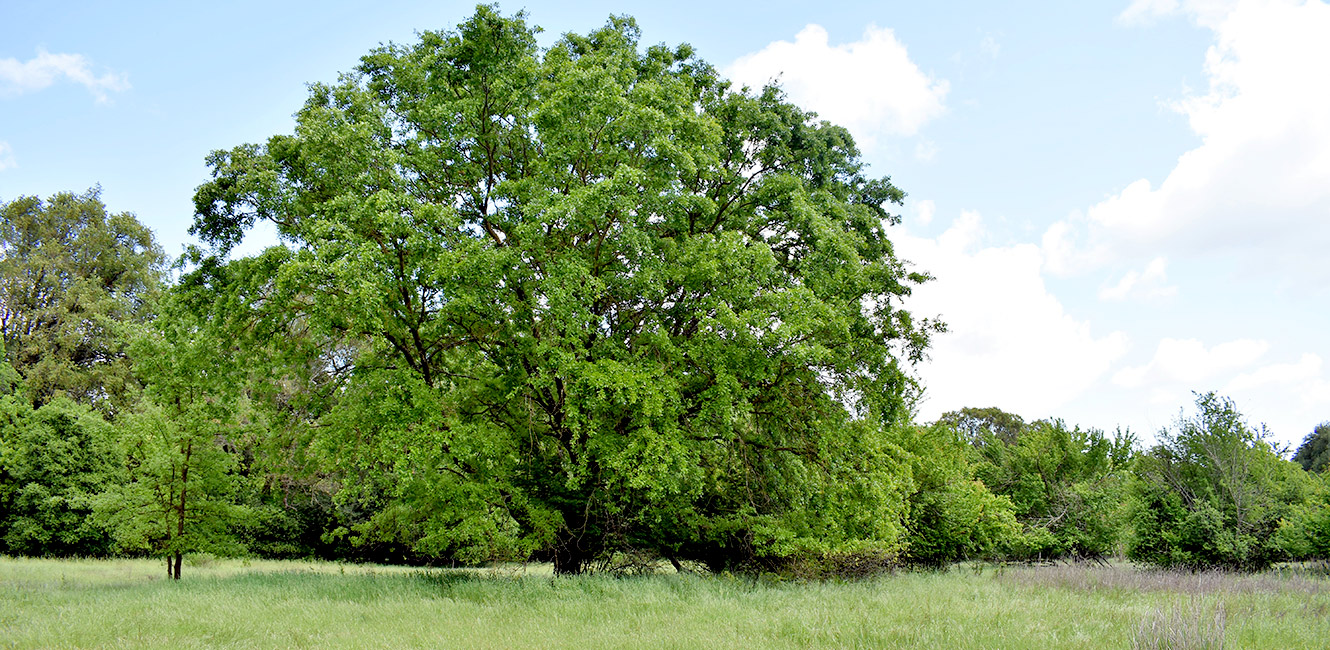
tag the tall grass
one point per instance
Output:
(1191, 627)
(231, 604)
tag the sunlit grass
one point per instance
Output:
(129, 603)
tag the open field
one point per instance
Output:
(236, 604)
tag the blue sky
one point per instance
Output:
(1123, 202)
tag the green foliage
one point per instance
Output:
(55, 460)
(69, 273)
(176, 498)
(178, 494)
(1304, 533)
(1314, 452)
(953, 516)
(1066, 485)
(14, 409)
(582, 301)
(982, 425)
(1212, 493)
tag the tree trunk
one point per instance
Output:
(569, 560)
(184, 491)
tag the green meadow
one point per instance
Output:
(267, 604)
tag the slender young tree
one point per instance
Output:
(178, 493)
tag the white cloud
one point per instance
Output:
(1147, 283)
(1063, 252)
(18, 77)
(1291, 397)
(1185, 364)
(1010, 342)
(6, 156)
(1307, 369)
(923, 211)
(1257, 188)
(869, 86)
(257, 239)
(1205, 12)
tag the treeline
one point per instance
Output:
(133, 426)
(590, 305)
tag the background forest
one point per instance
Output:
(590, 304)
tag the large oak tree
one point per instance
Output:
(587, 301)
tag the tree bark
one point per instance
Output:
(569, 560)
(184, 490)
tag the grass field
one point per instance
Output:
(236, 604)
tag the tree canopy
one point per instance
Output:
(1314, 452)
(1213, 493)
(1067, 485)
(69, 272)
(587, 300)
(176, 496)
(982, 426)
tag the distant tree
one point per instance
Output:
(953, 516)
(1212, 493)
(69, 272)
(1066, 485)
(180, 484)
(1314, 452)
(980, 425)
(1304, 533)
(597, 300)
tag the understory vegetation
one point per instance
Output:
(589, 305)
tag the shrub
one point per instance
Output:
(1065, 485)
(952, 515)
(1304, 534)
(59, 456)
(1212, 493)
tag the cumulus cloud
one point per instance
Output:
(1292, 395)
(6, 156)
(18, 77)
(1010, 341)
(1304, 372)
(869, 86)
(1149, 282)
(1257, 188)
(1143, 11)
(1180, 364)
